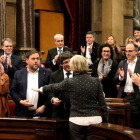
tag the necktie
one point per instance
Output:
(59, 51)
(5, 65)
(68, 74)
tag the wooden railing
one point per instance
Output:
(106, 131)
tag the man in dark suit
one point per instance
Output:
(127, 88)
(29, 103)
(53, 54)
(61, 109)
(10, 61)
(89, 49)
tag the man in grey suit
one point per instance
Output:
(128, 89)
(53, 54)
(61, 110)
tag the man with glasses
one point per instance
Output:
(53, 54)
(10, 61)
(127, 89)
(61, 101)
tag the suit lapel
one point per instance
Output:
(24, 80)
(12, 59)
(85, 50)
(137, 67)
(41, 74)
(61, 75)
(125, 69)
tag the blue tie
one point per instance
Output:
(5, 65)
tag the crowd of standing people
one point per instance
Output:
(67, 91)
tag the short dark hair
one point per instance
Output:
(29, 53)
(6, 39)
(137, 28)
(135, 45)
(106, 45)
(64, 55)
(90, 32)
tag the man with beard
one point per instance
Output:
(28, 102)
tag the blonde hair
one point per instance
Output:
(113, 38)
(127, 40)
(78, 64)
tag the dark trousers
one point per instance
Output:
(79, 132)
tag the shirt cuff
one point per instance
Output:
(52, 100)
(54, 63)
(41, 89)
(121, 79)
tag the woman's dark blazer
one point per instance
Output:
(109, 86)
(85, 92)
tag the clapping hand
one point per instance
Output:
(121, 72)
(82, 49)
(101, 76)
(130, 72)
(136, 79)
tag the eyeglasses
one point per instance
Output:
(65, 62)
(129, 51)
(106, 51)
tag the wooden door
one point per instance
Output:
(51, 23)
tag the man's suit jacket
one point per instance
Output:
(124, 65)
(94, 54)
(51, 54)
(17, 64)
(19, 90)
(58, 111)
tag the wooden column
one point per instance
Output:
(25, 24)
(2, 19)
(112, 19)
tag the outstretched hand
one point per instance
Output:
(37, 90)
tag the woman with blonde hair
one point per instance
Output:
(86, 95)
(4, 90)
(130, 39)
(118, 54)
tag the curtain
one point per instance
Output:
(71, 6)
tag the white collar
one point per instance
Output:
(134, 61)
(71, 72)
(32, 72)
(59, 49)
(90, 45)
(8, 55)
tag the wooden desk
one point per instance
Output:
(33, 129)
(106, 131)
(119, 111)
